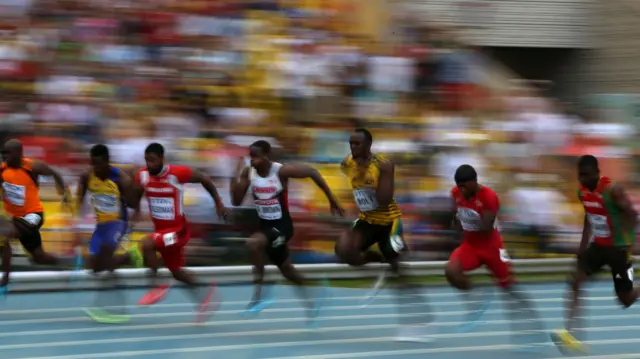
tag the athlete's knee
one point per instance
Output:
(148, 245)
(257, 243)
(455, 275)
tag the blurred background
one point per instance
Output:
(518, 89)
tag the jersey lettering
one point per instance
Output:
(106, 203)
(162, 208)
(365, 199)
(269, 209)
(599, 225)
(14, 193)
(469, 219)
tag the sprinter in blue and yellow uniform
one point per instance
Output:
(108, 186)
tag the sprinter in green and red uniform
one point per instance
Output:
(610, 221)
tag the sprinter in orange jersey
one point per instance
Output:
(19, 179)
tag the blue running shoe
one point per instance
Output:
(4, 291)
(314, 313)
(257, 306)
(473, 318)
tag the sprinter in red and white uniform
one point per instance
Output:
(162, 184)
(268, 182)
(476, 209)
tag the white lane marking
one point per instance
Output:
(283, 310)
(289, 332)
(39, 310)
(220, 348)
(173, 326)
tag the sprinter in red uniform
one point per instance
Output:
(162, 184)
(476, 208)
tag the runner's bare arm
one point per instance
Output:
(126, 185)
(491, 205)
(81, 192)
(305, 171)
(239, 187)
(629, 214)
(207, 184)
(386, 185)
(586, 234)
(42, 169)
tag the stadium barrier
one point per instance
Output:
(84, 280)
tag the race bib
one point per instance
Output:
(170, 239)
(365, 199)
(599, 225)
(106, 203)
(470, 220)
(162, 208)
(14, 193)
(269, 209)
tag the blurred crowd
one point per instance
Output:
(206, 78)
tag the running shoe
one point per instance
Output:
(375, 290)
(136, 257)
(209, 305)
(4, 291)
(474, 316)
(567, 343)
(155, 295)
(258, 305)
(104, 317)
(314, 312)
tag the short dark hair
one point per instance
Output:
(588, 161)
(101, 151)
(465, 173)
(365, 132)
(156, 149)
(263, 145)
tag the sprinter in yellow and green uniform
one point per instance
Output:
(108, 187)
(372, 180)
(607, 238)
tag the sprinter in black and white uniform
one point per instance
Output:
(268, 182)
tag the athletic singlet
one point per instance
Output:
(604, 216)
(270, 196)
(21, 195)
(364, 182)
(107, 197)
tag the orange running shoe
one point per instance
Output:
(209, 305)
(155, 295)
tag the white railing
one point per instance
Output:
(70, 280)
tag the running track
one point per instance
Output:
(52, 326)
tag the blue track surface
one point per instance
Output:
(53, 326)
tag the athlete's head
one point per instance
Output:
(154, 157)
(12, 153)
(467, 180)
(100, 160)
(360, 143)
(259, 152)
(588, 172)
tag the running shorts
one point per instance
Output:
(618, 259)
(278, 237)
(388, 237)
(106, 234)
(170, 245)
(490, 254)
(28, 228)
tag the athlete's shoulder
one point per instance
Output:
(606, 183)
(455, 191)
(379, 159)
(486, 192)
(347, 164)
(27, 163)
(178, 169)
